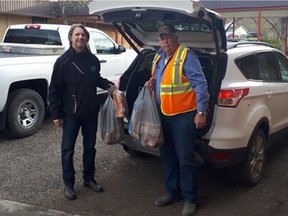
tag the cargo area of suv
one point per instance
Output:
(197, 27)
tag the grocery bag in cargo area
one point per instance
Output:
(145, 123)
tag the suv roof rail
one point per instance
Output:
(250, 42)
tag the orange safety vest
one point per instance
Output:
(177, 95)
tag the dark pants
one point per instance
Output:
(71, 127)
(178, 156)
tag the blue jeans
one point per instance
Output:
(177, 153)
(71, 127)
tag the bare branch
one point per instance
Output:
(60, 7)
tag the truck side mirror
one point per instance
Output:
(121, 48)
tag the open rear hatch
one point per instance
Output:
(197, 27)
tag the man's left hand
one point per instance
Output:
(200, 121)
(112, 89)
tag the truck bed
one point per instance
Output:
(24, 50)
(9, 55)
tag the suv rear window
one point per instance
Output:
(189, 27)
(248, 67)
(259, 66)
(33, 36)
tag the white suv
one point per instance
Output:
(248, 84)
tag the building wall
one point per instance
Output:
(6, 20)
(3, 25)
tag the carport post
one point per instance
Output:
(286, 38)
(259, 35)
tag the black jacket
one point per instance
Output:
(74, 82)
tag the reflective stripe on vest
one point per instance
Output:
(177, 95)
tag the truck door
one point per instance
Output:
(113, 62)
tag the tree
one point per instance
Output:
(272, 29)
(62, 8)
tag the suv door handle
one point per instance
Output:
(103, 61)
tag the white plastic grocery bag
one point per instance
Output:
(145, 123)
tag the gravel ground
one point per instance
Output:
(31, 168)
(31, 174)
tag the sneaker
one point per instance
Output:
(93, 186)
(69, 193)
(165, 200)
(189, 209)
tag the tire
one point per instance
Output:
(25, 112)
(251, 170)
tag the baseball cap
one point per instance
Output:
(166, 29)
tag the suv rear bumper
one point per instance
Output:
(133, 144)
(213, 157)
(220, 157)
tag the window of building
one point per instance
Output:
(39, 20)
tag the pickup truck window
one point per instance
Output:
(102, 43)
(33, 36)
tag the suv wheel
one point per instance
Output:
(252, 169)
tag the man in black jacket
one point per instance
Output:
(73, 104)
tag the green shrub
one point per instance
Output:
(274, 42)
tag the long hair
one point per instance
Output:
(70, 33)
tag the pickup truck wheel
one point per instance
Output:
(25, 113)
(251, 170)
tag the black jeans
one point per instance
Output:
(71, 127)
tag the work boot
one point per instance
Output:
(189, 209)
(165, 200)
(93, 186)
(69, 193)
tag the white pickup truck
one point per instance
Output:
(27, 56)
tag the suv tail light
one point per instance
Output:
(220, 156)
(231, 97)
